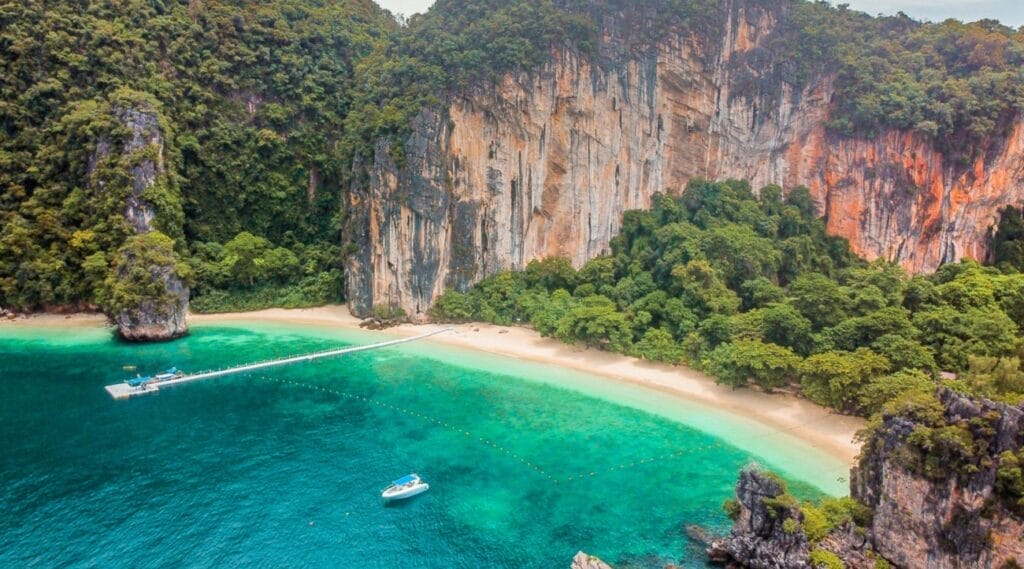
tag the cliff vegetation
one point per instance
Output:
(1008, 240)
(752, 290)
(272, 110)
(958, 84)
(252, 97)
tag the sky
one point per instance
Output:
(1009, 12)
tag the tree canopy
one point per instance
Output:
(850, 334)
(252, 97)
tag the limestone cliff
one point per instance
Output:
(544, 163)
(942, 481)
(952, 521)
(760, 538)
(139, 163)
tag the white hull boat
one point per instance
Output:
(405, 487)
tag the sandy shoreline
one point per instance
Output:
(819, 427)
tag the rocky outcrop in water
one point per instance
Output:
(154, 317)
(761, 538)
(140, 163)
(544, 163)
(931, 509)
(952, 516)
(585, 561)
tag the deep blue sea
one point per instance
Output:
(527, 463)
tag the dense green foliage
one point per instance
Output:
(62, 231)
(249, 273)
(131, 283)
(958, 84)
(252, 97)
(269, 109)
(1008, 241)
(752, 290)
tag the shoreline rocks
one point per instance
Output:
(930, 509)
(585, 561)
(761, 537)
(156, 320)
(956, 519)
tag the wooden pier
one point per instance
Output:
(126, 391)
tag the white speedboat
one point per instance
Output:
(405, 487)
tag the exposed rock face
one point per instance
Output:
(851, 545)
(957, 522)
(897, 198)
(758, 538)
(952, 523)
(405, 230)
(545, 163)
(584, 561)
(152, 321)
(144, 127)
(143, 151)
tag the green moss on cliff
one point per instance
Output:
(821, 559)
(1010, 479)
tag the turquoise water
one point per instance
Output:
(283, 468)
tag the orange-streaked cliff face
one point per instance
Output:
(895, 197)
(545, 164)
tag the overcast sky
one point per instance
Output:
(1009, 12)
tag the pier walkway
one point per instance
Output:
(125, 391)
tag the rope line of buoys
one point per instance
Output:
(412, 413)
(510, 453)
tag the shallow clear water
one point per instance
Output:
(284, 468)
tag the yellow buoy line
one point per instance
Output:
(495, 446)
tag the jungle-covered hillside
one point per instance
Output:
(265, 108)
